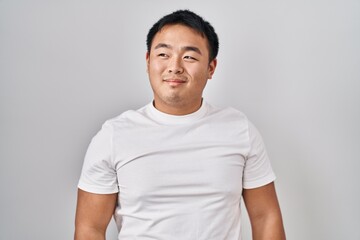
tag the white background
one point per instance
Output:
(291, 66)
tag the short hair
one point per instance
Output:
(189, 19)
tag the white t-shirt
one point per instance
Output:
(178, 177)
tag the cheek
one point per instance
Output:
(198, 73)
(155, 73)
(156, 66)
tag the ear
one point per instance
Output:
(212, 67)
(147, 57)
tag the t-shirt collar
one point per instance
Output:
(170, 119)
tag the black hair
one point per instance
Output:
(189, 19)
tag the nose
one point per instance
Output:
(175, 66)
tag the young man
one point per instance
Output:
(178, 167)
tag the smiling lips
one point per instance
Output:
(174, 81)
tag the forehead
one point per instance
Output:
(179, 34)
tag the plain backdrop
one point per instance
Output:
(292, 66)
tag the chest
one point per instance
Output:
(177, 166)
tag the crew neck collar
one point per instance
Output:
(170, 119)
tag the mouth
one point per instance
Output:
(174, 82)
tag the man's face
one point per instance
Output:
(178, 67)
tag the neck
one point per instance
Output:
(177, 109)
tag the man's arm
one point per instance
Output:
(264, 212)
(93, 214)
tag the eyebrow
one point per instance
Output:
(186, 48)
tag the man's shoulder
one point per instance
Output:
(127, 117)
(226, 112)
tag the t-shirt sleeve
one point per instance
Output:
(257, 171)
(98, 174)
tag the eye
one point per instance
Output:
(190, 58)
(163, 55)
